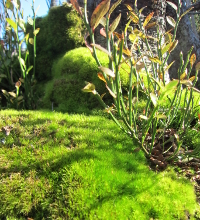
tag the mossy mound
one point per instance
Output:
(69, 75)
(70, 72)
(60, 31)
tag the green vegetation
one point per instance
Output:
(60, 31)
(62, 166)
(69, 75)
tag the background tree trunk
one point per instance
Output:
(53, 3)
(187, 38)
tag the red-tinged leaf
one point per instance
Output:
(99, 12)
(134, 18)
(103, 32)
(103, 95)
(199, 116)
(111, 92)
(107, 71)
(173, 46)
(148, 18)
(119, 36)
(171, 21)
(99, 47)
(192, 78)
(115, 23)
(197, 67)
(76, 6)
(101, 77)
(129, 7)
(127, 52)
(172, 5)
(150, 25)
(192, 59)
(18, 84)
(114, 6)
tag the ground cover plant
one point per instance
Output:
(154, 134)
(61, 166)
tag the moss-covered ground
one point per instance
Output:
(62, 166)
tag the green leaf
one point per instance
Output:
(99, 12)
(115, 23)
(89, 88)
(37, 9)
(133, 37)
(140, 11)
(12, 94)
(29, 69)
(20, 98)
(172, 5)
(166, 48)
(111, 92)
(9, 5)
(171, 21)
(155, 59)
(31, 41)
(114, 6)
(107, 71)
(186, 82)
(12, 24)
(143, 117)
(173, 46)
(161, 116)
(99, 47)
(168, 88)
(154, 99)
(103, 21)
(22, 62)
(25, 38)
(36, 31)
(3, 76)
(30, 21)
(22, 24)
(5, 93)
